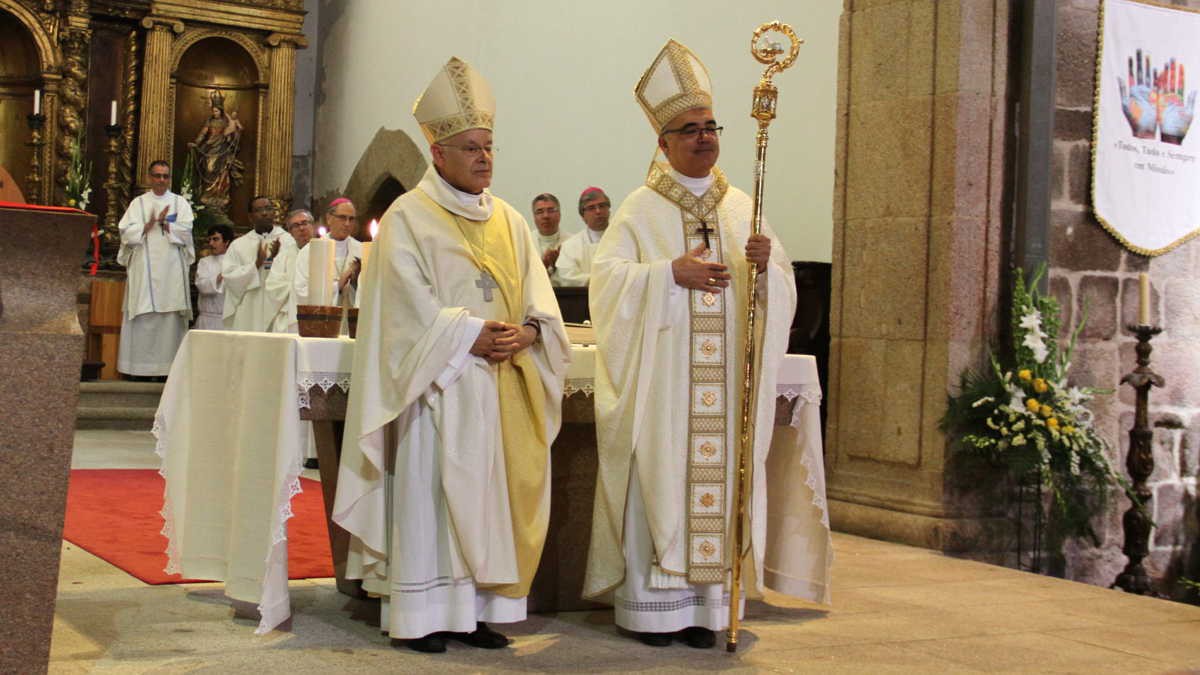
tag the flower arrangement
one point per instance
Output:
(187, 184)
(1023, 415)
(78, 189)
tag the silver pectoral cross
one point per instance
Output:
(486, 283)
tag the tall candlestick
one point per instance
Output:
(37, 101)
(1143, 299)
(320, 272)
(112, 115)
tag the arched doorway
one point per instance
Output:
(385, 194)
(19, 77)
(217, 99)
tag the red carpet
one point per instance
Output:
(114, 515)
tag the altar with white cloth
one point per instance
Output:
(230, 436)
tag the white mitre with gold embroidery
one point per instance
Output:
(456, 100)
(676, 82)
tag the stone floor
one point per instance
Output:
(896, 609)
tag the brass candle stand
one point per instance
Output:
(1140, 463)
(109, 234)
(34, 179)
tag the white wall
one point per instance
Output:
(563, 74)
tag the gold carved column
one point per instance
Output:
(154, 140)
(277, 136)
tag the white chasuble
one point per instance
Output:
(574, 264)
(248, 305)
(444, 478)
(345, 251)
(279, 288)
(157, 303)
(678, 353)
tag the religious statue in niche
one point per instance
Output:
(215, 155)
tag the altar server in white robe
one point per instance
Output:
(340, 221)
(157, 253)
(668, 300)
(281, 280)
(210, 285)
(458, 374)
(247, 263)
(575, 259)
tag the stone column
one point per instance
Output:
(154, 130)
(918, 199)
(277, 134)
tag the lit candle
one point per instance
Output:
(373, 228)
(320, 270)
(37, 101)
(1144, 299)
(112, 115)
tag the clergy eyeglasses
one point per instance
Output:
(472, 150)
(160, 175)
(691, 132)
(597, 206)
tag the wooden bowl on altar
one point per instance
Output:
(352, 322)
(319, 320)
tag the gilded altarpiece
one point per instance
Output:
(164, 63)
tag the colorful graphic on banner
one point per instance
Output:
(1145, 165)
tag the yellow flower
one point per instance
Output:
(1047, 411)
(1040, 386)
(1052, 422)
(1068, 429)
(70, 202)
(1024, 374)
(1032, 404)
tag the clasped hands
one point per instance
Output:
(267, 252)
(161, 221)
(350, 275)
(498, 341)
(692, 271)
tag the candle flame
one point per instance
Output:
(321, 231)
(373, 228)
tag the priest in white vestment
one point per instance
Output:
(458, 374)
(210, 285)
(668, 300)
(281, 280)
(575, 259)
(248, 306)
(546, 215)
(340, 220)
(157, 253)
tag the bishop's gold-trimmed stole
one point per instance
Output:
(708, 456)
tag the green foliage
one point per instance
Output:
(1022, 415)
(78, 189)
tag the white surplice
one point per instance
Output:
(280, 288)
(157, 304)
(211, 297)
(545, 243)
(422, 427)
(248, 306)
(639, 552)
(575, 257)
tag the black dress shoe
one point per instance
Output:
(482, 637)
(700, 638)
(655, 639)
(433, 643)
(312, 463)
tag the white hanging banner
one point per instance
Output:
(1145, 164)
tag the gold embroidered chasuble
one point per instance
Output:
(521, 395)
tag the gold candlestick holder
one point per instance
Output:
(34, 179)
(110, 238)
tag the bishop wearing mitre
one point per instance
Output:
(668, 298)
(458, 374)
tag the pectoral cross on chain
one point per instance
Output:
(705, 230)
(486, 283)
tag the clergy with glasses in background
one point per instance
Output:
(341, 219)
(546, 216)
(458, 375)
(668, 299)
(282, 278)
(247, 263)
(575, 261)
(157, 253)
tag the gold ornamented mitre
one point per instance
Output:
(456, 100)
(676, 82)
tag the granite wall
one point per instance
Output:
(1089, 269)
